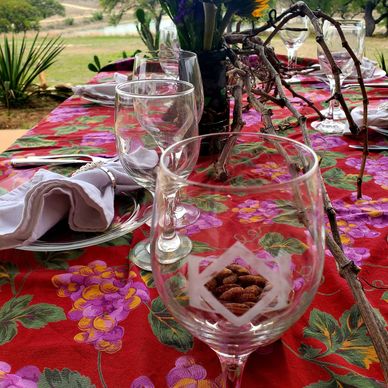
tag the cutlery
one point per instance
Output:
(367, 85)
(370, 148)
(37, 160)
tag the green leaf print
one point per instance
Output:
(147, 278)
(35, 142)
(168, 331)
(384, 297)
(77, 149)
(309, 352)
(329, 159)
(65, 378)
(123, 240)
(57, 260)
(92, 119)
(67, 129)
(337, 178)
(274, 242)
(8, 271)
(210, 203)
(351, 380)
(323, 327)
(17, 310)
(200, 247)
(356, 346)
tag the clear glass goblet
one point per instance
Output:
(150, 115)
(261, 240)
(174, 64)
(354, 32)
(293, 34)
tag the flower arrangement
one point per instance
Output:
(201, 24)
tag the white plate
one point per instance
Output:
(129, 215)
(101, 102)
(379, 73)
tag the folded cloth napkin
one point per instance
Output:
(105, 92)
(377, 116)
(87, 198)
(368, 67)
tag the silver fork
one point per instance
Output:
(56, 160)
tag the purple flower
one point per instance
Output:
(142, 382)
(376, 167)
(357, 255)
(205, 221)
(252, 211)
(64, 113)
(102, 297)
(96, 139)
(182, 12)
(272, 172)
(320, 142)
(26, 377)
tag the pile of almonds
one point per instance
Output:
(237, 288)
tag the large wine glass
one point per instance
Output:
(293, 34)
(260, 249)
(174, 64)
(354, 32)
(150, 115)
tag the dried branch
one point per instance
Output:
(277, 73)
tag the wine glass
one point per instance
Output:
(168, 40)
(354, 32)
(293, 34)
(150, 115)
(175, 64)
(261, 249)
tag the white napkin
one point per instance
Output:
(104, 93)
(376, 117)
(30, 210)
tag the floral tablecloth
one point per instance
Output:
(72, 318)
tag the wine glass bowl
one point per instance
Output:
(293, 34)
(259, 243)
(354, 33)
(150, 115)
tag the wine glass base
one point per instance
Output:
(332, 127)
(140, 255)
(171, 251)
(186, 215)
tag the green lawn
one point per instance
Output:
(72, 64)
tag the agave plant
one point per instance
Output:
(20, 65)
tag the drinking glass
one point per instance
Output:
(260, 242)
(168, 40)
(354, 32)
(293, 34)
(150, 115)
(175, 64)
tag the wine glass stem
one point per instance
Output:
(334, 103)
(291, 58)
(232, 370)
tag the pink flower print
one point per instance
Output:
(96, 139)
(252, 211)
(102, 297)
(205, 221)
(142, 382)
(357, 255)
(188, 374)
(321, 142)
(376, 167)
(355, 230)
(26, 377)
(65, 113)
(272, 172)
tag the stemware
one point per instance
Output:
(259, 240)
(150, 115)
(293, 34)
(354, 32)
(168, 40)
(174, 64)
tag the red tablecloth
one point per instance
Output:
(53, 330)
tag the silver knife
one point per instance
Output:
(370, 148)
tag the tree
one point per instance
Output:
(18, 15)
(146, 11)
(23, 15)
(374, 11)
(48, 8)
